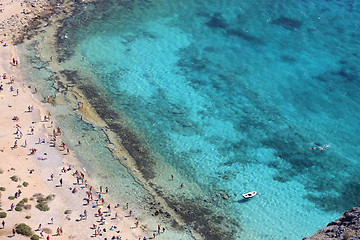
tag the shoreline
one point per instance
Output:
(35, 169)
(139, 166)
(185, 211)
(92, 118)
(156, 200)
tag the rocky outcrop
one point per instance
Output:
(18, 17)
(347, 227)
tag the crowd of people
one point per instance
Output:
(94, 200)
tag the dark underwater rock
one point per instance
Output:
(245, 36)
(288, 23)
(217, 21)
(346, 227)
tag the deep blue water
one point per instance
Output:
(231, 96)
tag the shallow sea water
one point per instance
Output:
(230, 98)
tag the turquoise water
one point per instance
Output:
(231, 97)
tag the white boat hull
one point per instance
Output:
(249, 195)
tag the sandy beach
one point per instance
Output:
(37, 169)
(153, 119)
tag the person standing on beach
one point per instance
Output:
(61, 182)
(3, 224)
(109, 208)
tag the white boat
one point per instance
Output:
(249, 194)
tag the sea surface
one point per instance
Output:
(226, 96)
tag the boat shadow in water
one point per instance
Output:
(244, 200)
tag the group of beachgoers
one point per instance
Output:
(101, 208)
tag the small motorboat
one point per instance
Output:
(249, 195)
